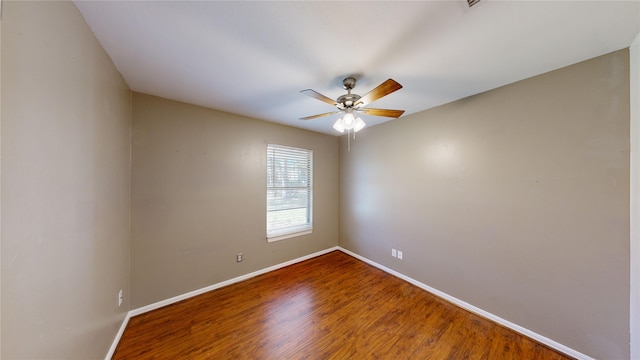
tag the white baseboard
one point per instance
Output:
(542, 339)
(116, 340)
(485, 314)
(203, 290)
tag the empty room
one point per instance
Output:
(320, 180)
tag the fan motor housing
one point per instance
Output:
(348, 100)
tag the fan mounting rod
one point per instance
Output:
(348, 100)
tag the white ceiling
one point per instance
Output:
(253, 58)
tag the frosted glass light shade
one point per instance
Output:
(339, 125)
(348, 120)
(358, 124)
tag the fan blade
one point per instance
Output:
(383, 112)
(316, 95)
(319, 115)
(383, 89)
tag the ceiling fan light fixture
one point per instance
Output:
(349, 122)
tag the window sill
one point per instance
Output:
(288, 235)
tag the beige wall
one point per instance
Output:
(0, 176)
(515, 200)
(634, 69)
(199, 197)
(65, 186)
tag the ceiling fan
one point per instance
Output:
(353, 103)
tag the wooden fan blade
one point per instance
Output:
(383, 89)
(383, 112)
(316, 95)
(319, 115)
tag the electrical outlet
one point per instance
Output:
(393, 252)
(399, 255)
(120, 297)
(239, 257)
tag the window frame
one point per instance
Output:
(286, 232)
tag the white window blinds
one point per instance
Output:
(289, 191)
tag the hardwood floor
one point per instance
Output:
(329, 307)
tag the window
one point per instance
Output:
(289, 192)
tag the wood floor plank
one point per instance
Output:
(329, 307)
